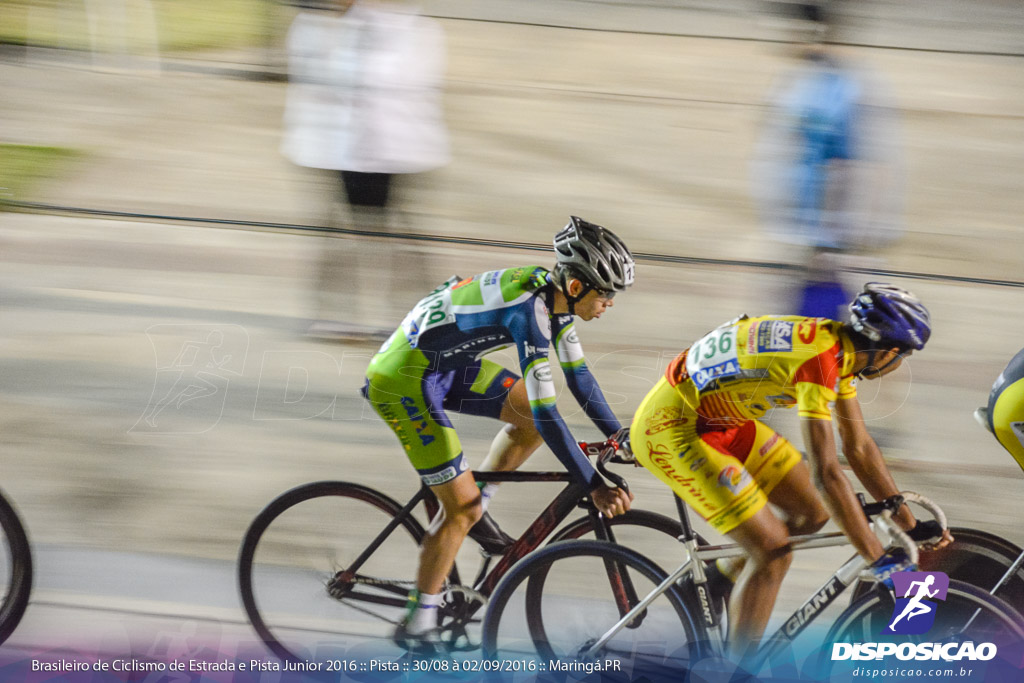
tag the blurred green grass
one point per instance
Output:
(23, 166)
(181, 25)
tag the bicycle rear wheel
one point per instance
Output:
(15, 570)
(294, 561)
(967, 614)
(975, 557)
(556, 603)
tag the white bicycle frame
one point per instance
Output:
(887, 531)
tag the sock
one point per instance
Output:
(728, 568)
(501, 444)
(487, 492)
(422, 611)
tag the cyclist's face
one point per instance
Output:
(594, 304)
(887, 361)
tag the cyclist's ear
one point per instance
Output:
(573, 287)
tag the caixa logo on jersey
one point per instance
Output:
(919, 596)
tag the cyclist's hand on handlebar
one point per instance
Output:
(894, 560)
(611, 501)
(930, 535)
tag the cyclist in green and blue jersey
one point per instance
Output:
(434, 362)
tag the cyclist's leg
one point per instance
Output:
(781, 472)
(483, 389)
(408, 395)
(779, 469)
(707, 472)
(519, 438)
(766, 541)
(460, 502)
(746, 519)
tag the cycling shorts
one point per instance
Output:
(725, 475)
(412, 398)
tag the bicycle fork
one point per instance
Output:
(691, 566)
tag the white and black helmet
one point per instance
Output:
(594, 255)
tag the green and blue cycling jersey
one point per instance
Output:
(434, 362)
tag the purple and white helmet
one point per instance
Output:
(890, 316)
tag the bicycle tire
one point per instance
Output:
(990, 619)
(280, 530)
(17, 580)
(643, 518)
(976, 557)
(670, 634)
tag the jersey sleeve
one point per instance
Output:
(847, 387)
(530, 325)
(579, 379)
(816, 381)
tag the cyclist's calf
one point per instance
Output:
(463, 517)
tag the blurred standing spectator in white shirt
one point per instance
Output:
(363, 108)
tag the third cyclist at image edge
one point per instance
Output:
(1004, 415)
(434, 363)
(699, 431)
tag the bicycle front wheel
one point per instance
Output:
(298, 584)
(559, 601)
(15, 570)
(975, 557)
(967, 614)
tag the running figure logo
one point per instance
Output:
(194, 366)
(914, 612)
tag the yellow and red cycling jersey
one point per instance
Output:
(698, 430)
(746, 367)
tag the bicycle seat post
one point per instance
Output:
(684, 521)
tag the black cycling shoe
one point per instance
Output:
(719, 585)
(489, 535)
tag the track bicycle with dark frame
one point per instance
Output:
(566, 602)
(336, 557)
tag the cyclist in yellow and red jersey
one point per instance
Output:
(699, 431)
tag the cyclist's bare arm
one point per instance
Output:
(866, 461)
(865, 458)
(839, 496)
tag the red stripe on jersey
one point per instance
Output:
(822, 370)
(676, 371)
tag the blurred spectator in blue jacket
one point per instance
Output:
(827, 170)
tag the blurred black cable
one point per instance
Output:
(55, 209)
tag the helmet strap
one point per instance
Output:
(563, 285)
(573, 300)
